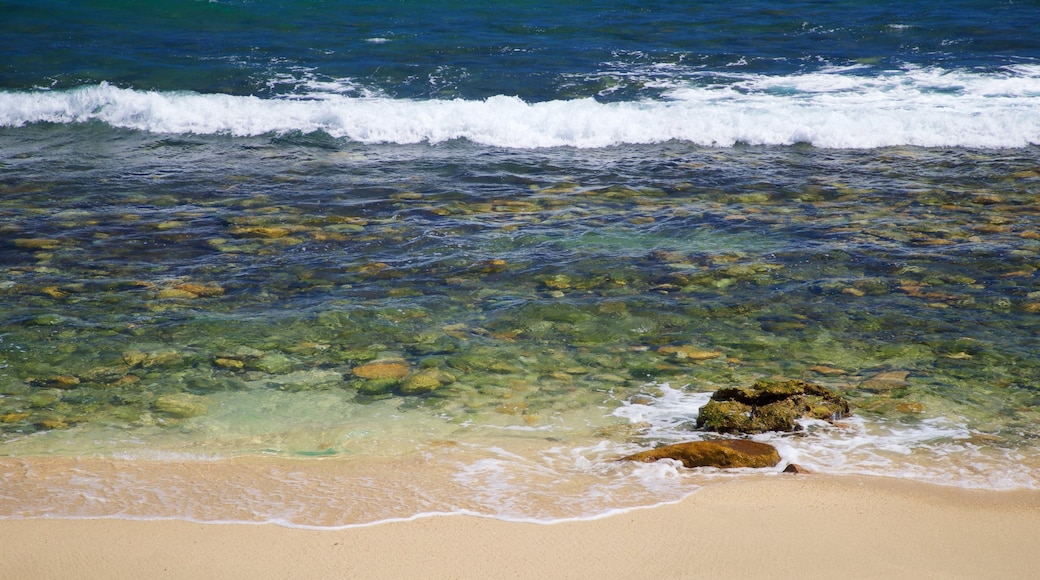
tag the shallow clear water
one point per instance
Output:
(463, 247)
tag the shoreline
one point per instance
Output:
(807, 526)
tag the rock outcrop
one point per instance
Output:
(770, 406)
(725, 453)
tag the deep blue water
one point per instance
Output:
(837, 74)
(472, 50)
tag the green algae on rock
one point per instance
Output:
(181, 405)
(770, 406)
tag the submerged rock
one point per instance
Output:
(229, 363)
(885, 381)
(13, 417)
(726, 453)
(181, 405)
(37, 243)
(200, 290)
(827, 371)
(770, 406)
(689, 352)
(274, 363)
(425, 382)
(52, 424)
(62, 382)
(624, 431)
(382, 370)
(304, 380)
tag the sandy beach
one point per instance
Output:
(804, 526)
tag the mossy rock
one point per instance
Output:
(376, 387)
(728, 416)
(770, 406)
(181, 405)
(272, 363)
(425, 381)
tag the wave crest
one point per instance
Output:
(917, 108)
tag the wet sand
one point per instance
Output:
(804, 526)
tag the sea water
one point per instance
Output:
(332, 263)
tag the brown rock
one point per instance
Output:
(126, 380)
(986, 199)
(54, 292)
(689, 352)
(382, 370)
(37, 243)
(201, 289)
(491, 266)
(827, 371)
(229, 363)
(885, 381)
(62, 382)
(53, 424)
(795, 468)
(261, 231)
(726, 453)
(176, 294)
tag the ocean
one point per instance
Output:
(328, 263)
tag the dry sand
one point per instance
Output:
(790, 526)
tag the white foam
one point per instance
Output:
(835, 108)
(565, 483)
(306, 82)
(536, 481)
(937, 450)
(145, 454)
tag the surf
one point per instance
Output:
(843, 110)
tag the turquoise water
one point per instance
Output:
(365, 237)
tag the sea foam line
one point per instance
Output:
(926, 108)
(938, 450)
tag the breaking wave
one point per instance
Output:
(829, 109)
